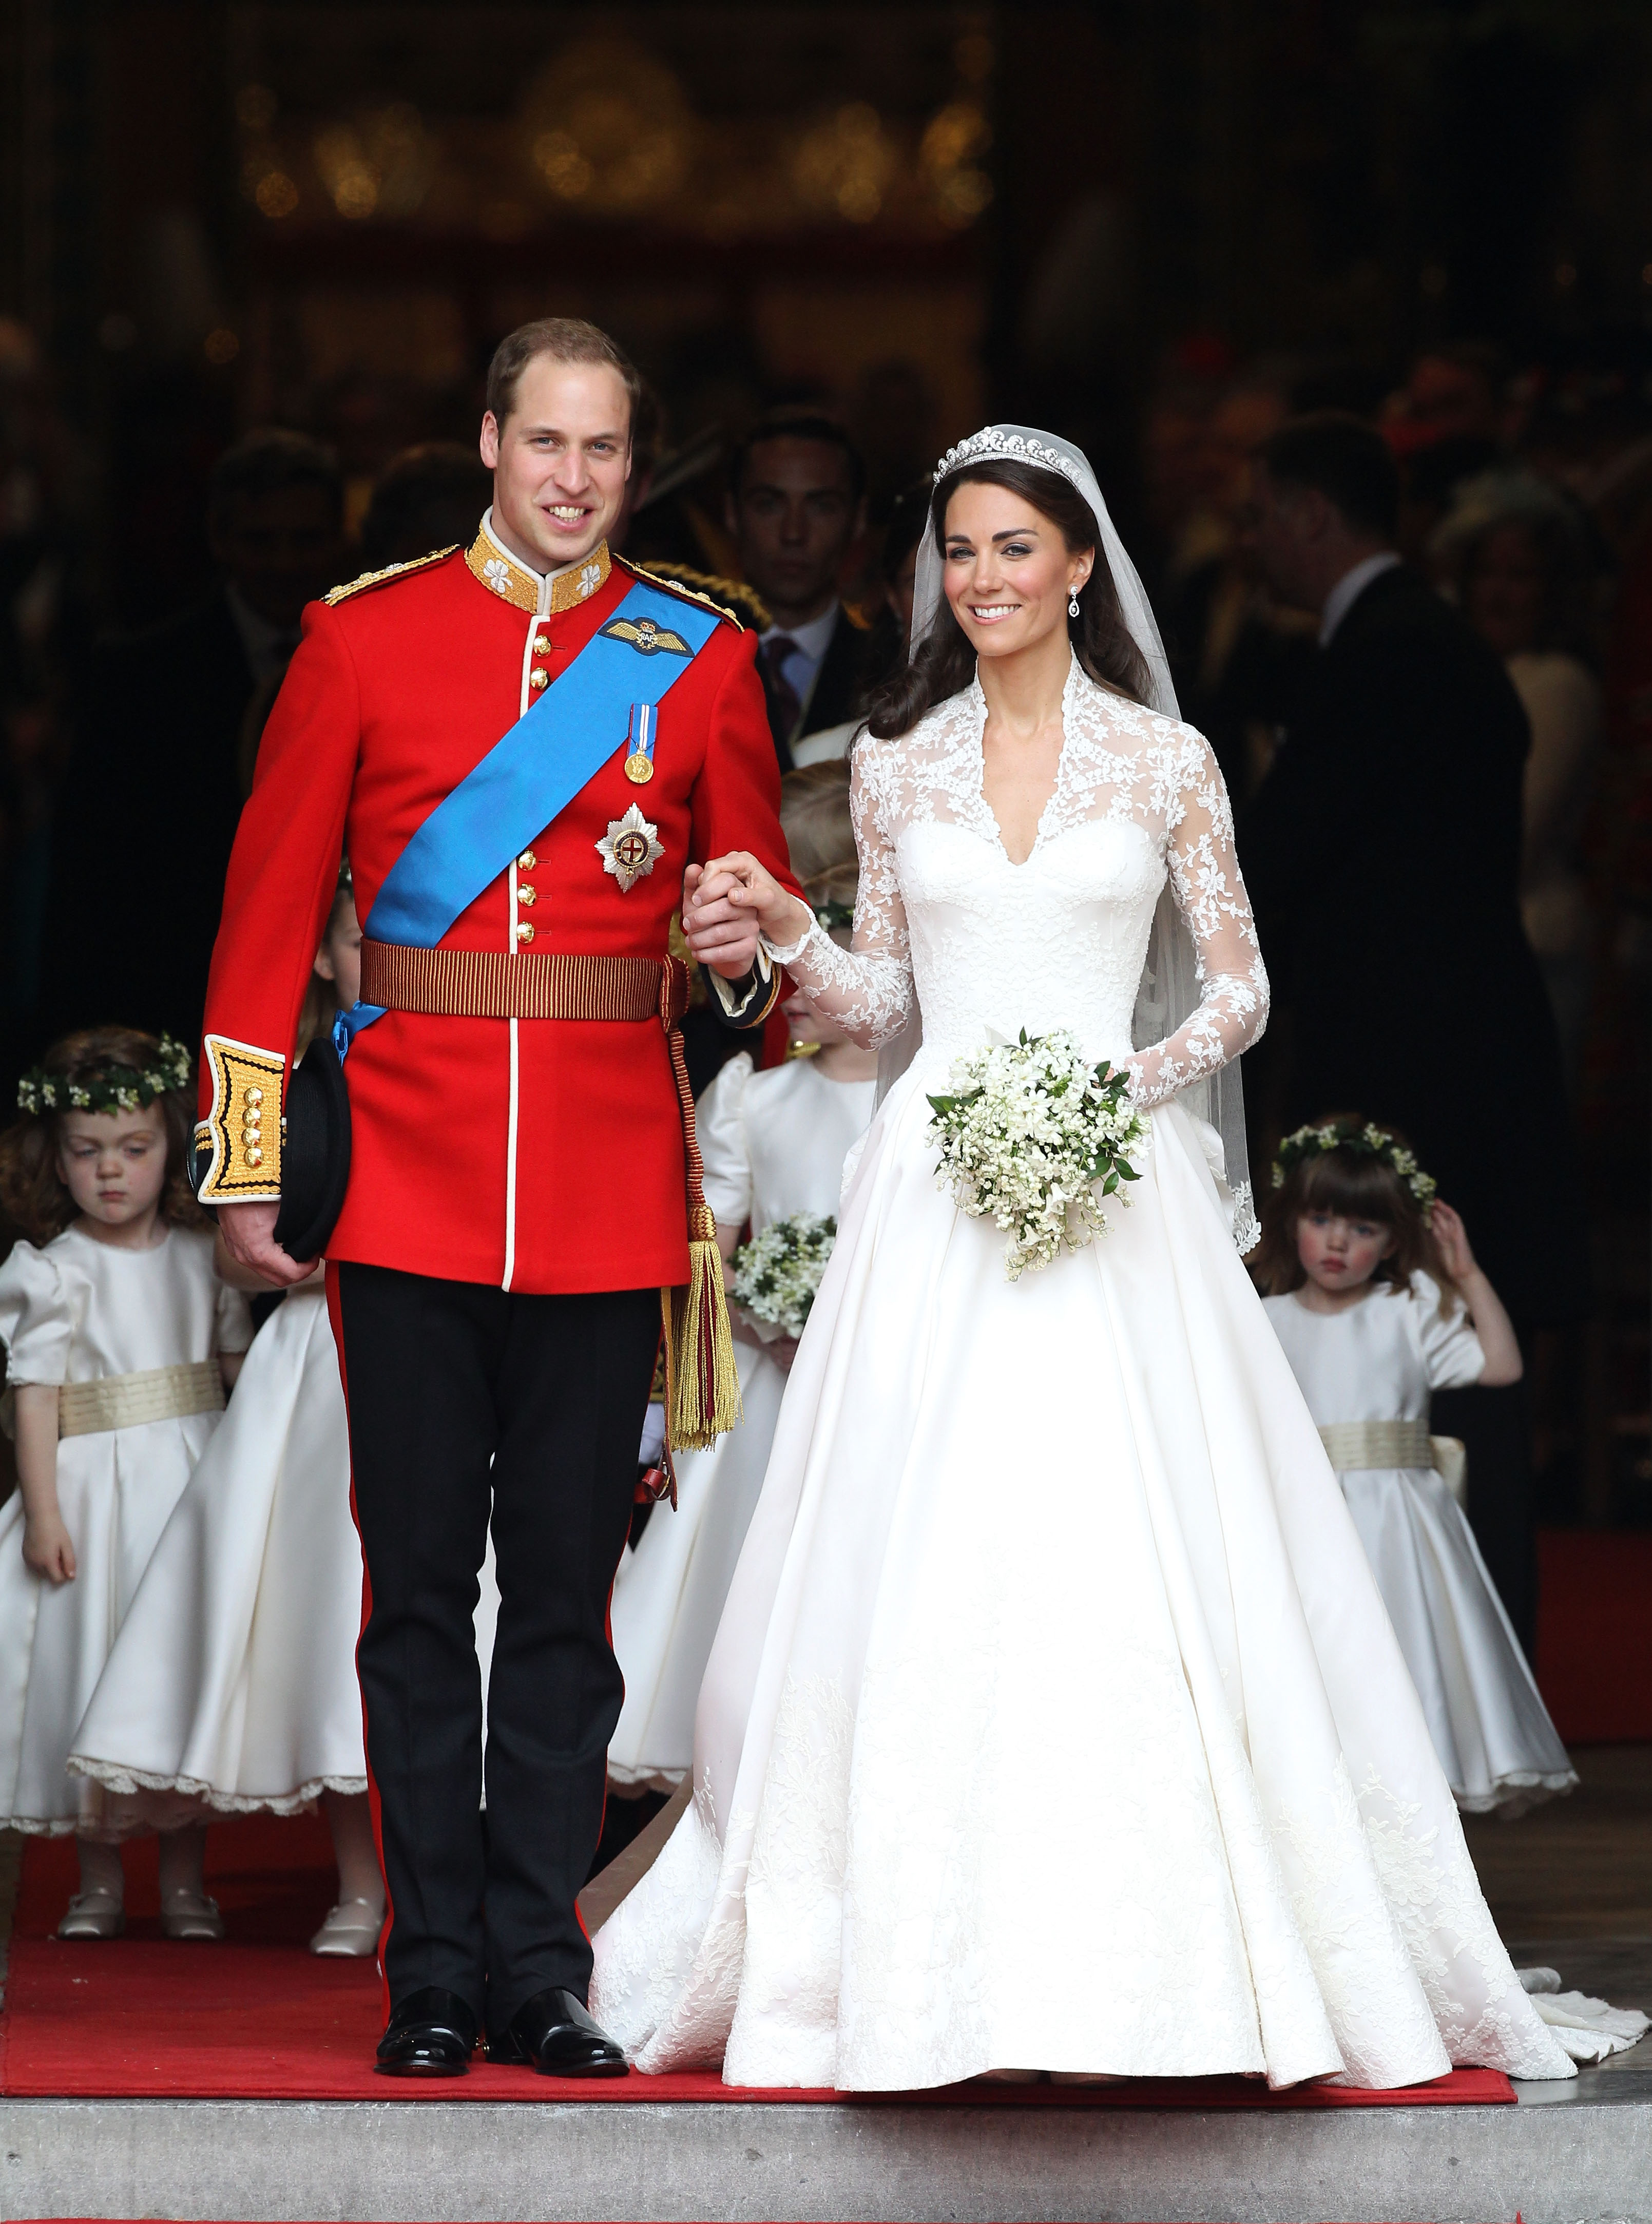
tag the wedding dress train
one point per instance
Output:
(1054, 1720)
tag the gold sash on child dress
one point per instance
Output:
(1352, 1444)
(126, 1401)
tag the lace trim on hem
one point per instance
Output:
(1247, 1229)
(32, 1827)
(1517, 1786)
(131, 1782)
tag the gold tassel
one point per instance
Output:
(702, 1384)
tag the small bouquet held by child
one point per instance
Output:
(1030, 1133)
(777, 1274)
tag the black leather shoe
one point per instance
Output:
(557, 2034)
(429, 2034)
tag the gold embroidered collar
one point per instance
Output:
(537, 592)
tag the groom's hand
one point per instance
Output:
(249, 1233)
(720, 933)
(728, 904)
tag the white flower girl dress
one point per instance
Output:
(73, 1312)
(773, 1144)
(1378, 1361)
(1079, 1531)
(232, 1684)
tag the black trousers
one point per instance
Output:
(468, 1404)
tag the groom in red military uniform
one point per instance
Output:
(521, 746)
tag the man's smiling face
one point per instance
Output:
(560, 461)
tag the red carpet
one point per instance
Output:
(258, 2017)
(1594, 1634)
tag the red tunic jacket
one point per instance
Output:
(538, 1155)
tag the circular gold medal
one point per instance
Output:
(639, 769)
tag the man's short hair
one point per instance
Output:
(565, 339)
(797, 424)
(267, 460)
(1339, 456)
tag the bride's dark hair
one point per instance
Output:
(945, 662)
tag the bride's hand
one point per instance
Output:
(728, 903)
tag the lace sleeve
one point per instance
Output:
(1232, 1008)
(868, 988)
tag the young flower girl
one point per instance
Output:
(232, 1685)
(120, 1339)
(773, 1144)
(1378, 1302)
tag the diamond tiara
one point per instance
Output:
(992, 442)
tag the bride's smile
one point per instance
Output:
(1009, 573)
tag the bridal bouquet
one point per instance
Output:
(1028, 1133)
(778, 1272)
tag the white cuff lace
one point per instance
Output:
(783, 954)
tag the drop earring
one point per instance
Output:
(1072, 604)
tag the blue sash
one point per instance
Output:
(532, 774)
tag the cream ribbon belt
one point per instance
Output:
(1352, 1444)
(126, 1401)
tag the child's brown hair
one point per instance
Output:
(1347, 1164)
(820, 833)
(82, 1072)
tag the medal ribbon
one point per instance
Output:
(640, 743)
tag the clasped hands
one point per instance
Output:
(728, 903)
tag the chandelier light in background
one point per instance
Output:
(949, 157)
(379, 164)
(609, 129)
(275, 194)
(846, 164)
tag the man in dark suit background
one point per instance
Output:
(163, 761)
(797, 501)
(1381, 854)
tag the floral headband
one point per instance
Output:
(112, 1089)
(1367, 1141)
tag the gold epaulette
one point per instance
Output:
(728, 598)
(390, 571)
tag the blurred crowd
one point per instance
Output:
(1526, 494)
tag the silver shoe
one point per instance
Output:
(93, 1915)
(350, 1931)
(193, 1917)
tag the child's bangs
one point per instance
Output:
(1356, 1187)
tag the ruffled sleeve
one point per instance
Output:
(234, 1320)
(1453, 1356)
(719, 1121)
(40, 1308)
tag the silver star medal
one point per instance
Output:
(630, 849)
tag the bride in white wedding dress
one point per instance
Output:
(1054, 1721)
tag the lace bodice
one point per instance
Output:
(944, 918)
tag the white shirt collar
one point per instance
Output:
(813, 638)
(1348, 590)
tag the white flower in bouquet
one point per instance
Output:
(778, 1272)
(1032, 1138)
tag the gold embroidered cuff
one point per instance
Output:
(241, 1136)
(749, 1004)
